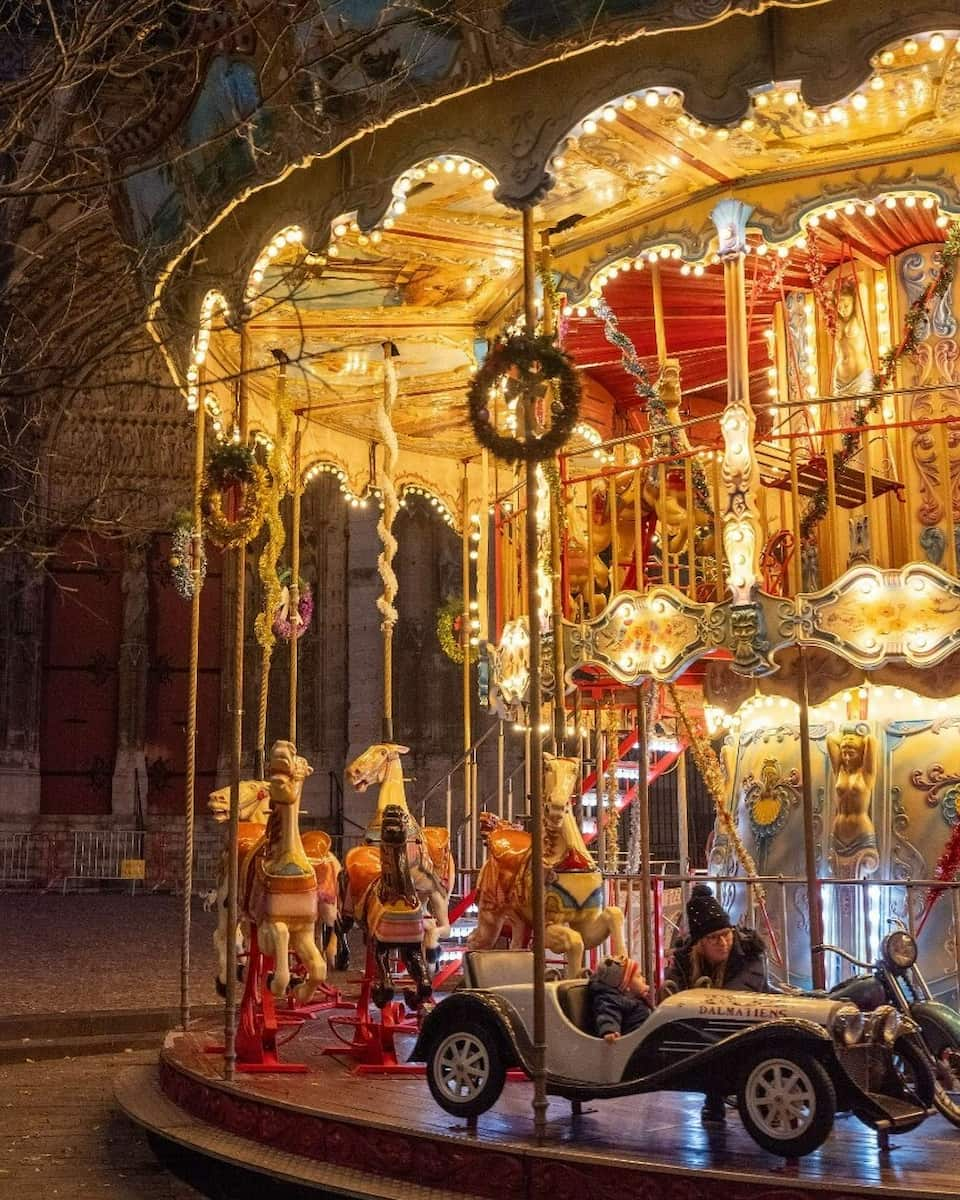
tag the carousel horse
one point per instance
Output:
(390, 913)
(254, 812)
(277, 884)
(576, 917)
(428, 850)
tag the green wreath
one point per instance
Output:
(231, 466)
(529, 365)
(447, 616)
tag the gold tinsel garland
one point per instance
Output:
(231, 535)
(712, 775)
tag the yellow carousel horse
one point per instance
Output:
(277, 882)
(254, 814)
(577, 919)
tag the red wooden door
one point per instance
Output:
(78, 732)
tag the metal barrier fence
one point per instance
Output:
(102, 855)
(24, 858)
(857, 915)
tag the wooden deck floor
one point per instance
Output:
(653, 1145)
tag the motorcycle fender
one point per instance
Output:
(934, 1017)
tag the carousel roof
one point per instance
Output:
(635, 181)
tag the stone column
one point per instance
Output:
(129, 772)
(364, 687)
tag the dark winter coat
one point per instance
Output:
(746, 966)
(615, 1011)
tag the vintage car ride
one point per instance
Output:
(791, 1062)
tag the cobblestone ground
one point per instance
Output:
(63, 1136)
(85, 953)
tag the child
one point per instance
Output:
(619, 997)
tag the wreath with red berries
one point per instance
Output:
(521, 366)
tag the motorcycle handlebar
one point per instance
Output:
(843, 954)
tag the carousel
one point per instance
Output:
(665, 328)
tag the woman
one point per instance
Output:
(715, 955)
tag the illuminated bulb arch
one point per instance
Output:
(290, 235)
(213, 302)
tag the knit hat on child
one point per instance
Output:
(617, 972)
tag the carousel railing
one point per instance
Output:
(831, 492)
(871, 903)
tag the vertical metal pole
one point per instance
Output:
(784, 936)
(468, 798)
(536, 738)
(643, 799)
(500, 755)
(196, 549)
(683, 829)
(296, 493)
(810, 856)
(236, 750)
(955, 897)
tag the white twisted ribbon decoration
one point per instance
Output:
(388, 491)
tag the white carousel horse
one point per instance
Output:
(576, 917)
(391, 915)
(277, 884)
(430, 861)
(254, 812)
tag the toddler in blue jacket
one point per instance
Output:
(619, 997)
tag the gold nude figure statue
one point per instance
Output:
(853, 839)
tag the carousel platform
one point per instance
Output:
(336, 1132)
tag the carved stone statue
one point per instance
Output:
(853, 838)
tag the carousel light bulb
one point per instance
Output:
(877, 83)
(837, 114)
(589, 125)
(891, 202)
(870, 210)
(651, 99)
(463, 168)
(910, 47)
(911, 202)
(850, 209)
(449, 166)
(859, 101)
(340, 229)
(609, 113)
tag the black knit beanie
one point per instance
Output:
(704, 913)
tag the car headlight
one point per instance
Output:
(848, 1024)
(889, 1024)
(899, 950)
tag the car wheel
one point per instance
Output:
(466, 1071)
(787, 1103)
